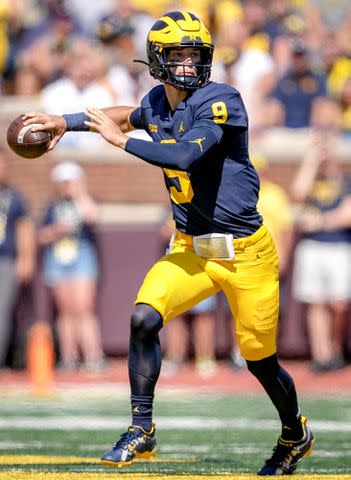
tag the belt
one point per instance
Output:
(239, 243)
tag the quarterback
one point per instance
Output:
(200, 140)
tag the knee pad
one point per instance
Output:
(145, 321)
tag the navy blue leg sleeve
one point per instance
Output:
(144, 359)
(279, 386)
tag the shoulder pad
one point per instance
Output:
(220, 103)
(153, 96)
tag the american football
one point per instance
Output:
(24, 142)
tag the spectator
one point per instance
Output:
(280, 220)
(71, 266)
(336, 55)
(322, 14)
(283, 20)
(203, 330)
(219, 15)
(88, 16)
(43, 45)
(236, 360)
(81, 86)
(280, 223)
(27, 82)
(117, 37)
(322, 270)
(250, 54)
(17, 252)
(284, 25)
(139, 20)
(178, 330)
(55, 25)
(345, 104)
(297, 92)
(154, 8)
(41, 61)
(122, 32)
(203, 316)
(10, 18)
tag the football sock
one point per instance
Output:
(293, 431)
(142, 411)
(281, 390)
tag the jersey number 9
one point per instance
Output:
(220, 112)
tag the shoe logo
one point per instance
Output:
(136, 410)
(137, 442)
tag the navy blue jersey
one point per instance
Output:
(219, 192)
(327, 194)
(297, 94)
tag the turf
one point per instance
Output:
(197, 436)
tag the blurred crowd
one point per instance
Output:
(286, 57)
(291, 61)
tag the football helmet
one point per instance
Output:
(177, 30)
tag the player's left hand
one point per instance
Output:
(101, 123)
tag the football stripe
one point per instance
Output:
(24, 130)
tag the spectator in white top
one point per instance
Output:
(80, 87)
(249, 57)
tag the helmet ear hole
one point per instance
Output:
(156, 62)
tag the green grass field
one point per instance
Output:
(63, 437)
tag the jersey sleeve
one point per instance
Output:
(181, 155)
(223, 106)
(136, 118)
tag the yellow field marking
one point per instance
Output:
(42, 459)
(46, 460)
(7, 475)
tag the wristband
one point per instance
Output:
(75, 122)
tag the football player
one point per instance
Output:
(200, 140)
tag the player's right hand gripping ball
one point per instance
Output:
(26, 143)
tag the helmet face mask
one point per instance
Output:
(178, 30)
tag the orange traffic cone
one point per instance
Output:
(40, 358)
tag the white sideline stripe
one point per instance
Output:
(173, 451)
(174, 423)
